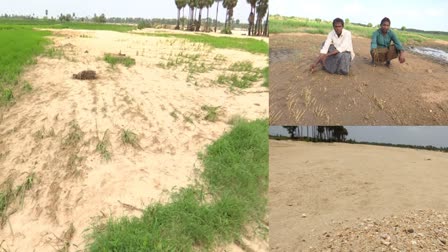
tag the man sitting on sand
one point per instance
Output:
(337, 52)
(381, 50)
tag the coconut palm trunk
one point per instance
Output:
(208, 21)
(178, 19)
(183, 17)
(216, 20)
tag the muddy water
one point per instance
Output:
(436, 54)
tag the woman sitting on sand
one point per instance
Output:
(381, 50)
(336, 53)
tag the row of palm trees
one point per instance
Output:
(260, 7)
(325, 133)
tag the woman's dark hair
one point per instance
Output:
(338, 20)
(385, 20)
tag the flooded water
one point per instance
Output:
(431, 52)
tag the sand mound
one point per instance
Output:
(422, 230)
(64, 129)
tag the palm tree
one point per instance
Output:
(216, 20)
(261, 12)
(320, 132)
(209, 4)
(266, 25)
(291, 130)
(200, 5)
(183, 13)
(179, 4)
(252, 11)
(229, 5)
(192, 5)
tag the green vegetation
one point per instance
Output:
(74, 136)
(212, 113)
(19, 47)
(54, 24)
(243, 76)
(113, 60)
(103, 146)
(246, 44)
(281, 24)
(265, 72)
(202, 216)
(9, 195)
(130, 138)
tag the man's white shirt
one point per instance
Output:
(342, 43)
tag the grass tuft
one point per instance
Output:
(113, 60)
(74, 136)
(103, 146)
(9, 195)
(212, 113)
(130, 138)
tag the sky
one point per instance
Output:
(424, 15)
(114, 8)
(416, 135)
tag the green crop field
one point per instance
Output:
(19, 46)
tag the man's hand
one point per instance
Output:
(401, 57)
(313, 67)
(323, 58)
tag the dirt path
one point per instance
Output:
(53, 131)
(321, 187)
(413, 93)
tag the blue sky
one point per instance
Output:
(114, 8)
(426, 15)
(415, 135)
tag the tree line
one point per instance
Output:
(339, 134)
(324, 133)
(258, 8)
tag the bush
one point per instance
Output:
(226, 31)
(144, 24)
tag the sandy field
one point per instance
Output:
(412, 93)
(73, 185)
(344, 197)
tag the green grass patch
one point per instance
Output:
(202, 216)
(56, 24)
(19, 47)
(243, 76)
(113, 60)
(237, 81)
(265, 73)
(249, 44)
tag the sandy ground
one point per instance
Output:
(413, 93)
(73, 184)
(318, 188)
(236, 33)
